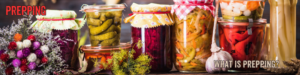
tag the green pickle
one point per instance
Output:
(104, 27)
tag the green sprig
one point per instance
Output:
(123, 62)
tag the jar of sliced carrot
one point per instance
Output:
(243, 40)
(151, 25)
(192, 34)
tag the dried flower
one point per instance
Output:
(9, 70)
(39, 53)
(31, 38)
(2, 51)
(20, 54)
(26, 52)
(44, 60)
(4, 57)
(23, 61)
(12, 46)
(45, 49)
(19, 45)
(12, 54)
(31, 58)
(32, 65)
(16, 63)
(36, 45)
(26, 43)
(24, 68)
(18, 37)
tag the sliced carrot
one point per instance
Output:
(202, 17)
(200, 51)
(194, 64)
(206, 55)
(179, 64)
(179, 56)
(203, 29)
(194, 43)
(252, 5)
(181, 49)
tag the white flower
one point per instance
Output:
(20, 45)
(31, 58)
(26, 43)
(45, 49)
(38, 61)
(12, 54)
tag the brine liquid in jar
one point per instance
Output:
(192, 40)
(242, 43)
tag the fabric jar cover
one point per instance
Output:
(58, 20)
(151, 15)
(183, 7)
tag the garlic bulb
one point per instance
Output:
(217, 53)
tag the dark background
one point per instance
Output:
(75, 5)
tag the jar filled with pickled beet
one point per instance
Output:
(64, 26)
(192, 34)
(243, 40)
(151, 24)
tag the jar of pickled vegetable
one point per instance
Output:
(242, 10)
(243, 40)
(104, 23)
(192, 34)
(96, 55)
(151, 24)
(64, 27)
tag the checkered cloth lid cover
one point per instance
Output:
(183, 7)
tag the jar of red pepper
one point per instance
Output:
(243, 40)
(151, 24)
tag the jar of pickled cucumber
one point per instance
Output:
(104, 23)
(151, 25)
(63, 25)
(192, 34)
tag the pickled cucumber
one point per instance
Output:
(99, 29)
(94, 15)
(102, 17)
(110, 42)
(104, 36)
(95, 42)
(109, 14)
(95, 22)
(104, 28)
(117, 13)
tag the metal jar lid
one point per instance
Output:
(96, 49)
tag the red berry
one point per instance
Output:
(23, 61)
(12, 46)
(44, 60)
(4, 57)
(24, 68)
(9, 71)
(31, 38)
